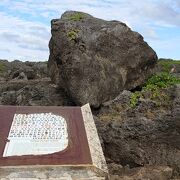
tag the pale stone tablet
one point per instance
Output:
(36, 134)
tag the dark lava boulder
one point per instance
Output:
(93, 59)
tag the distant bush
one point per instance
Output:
(2, 67)
(167, 64)
(45, 62)
(162, 80)
(76, 16)
(154, 86)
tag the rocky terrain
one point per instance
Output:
(139, 143)
(145, 135)
(28, 84)
(139, 125)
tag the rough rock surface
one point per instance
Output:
(93, 59)
(140, 173)
(31, 93)
(26, 83)
(22, 70)
(145, 135)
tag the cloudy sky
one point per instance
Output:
(25, 24)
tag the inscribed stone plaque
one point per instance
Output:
(35, 134)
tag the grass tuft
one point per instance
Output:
(73, 34)
(76, 16)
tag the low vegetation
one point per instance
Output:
(167, 64)
(2, 67)
(134, 98)
(156, 85)
(162, 80)
(76, 16)
(73, 34)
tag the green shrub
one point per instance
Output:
(162, 80)
(155, 86)
(76, 16)
(73, 34)
(134, 98)
(167, 64)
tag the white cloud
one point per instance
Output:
(167, 46)
(23, 38)
(150, 33)
(25, 24)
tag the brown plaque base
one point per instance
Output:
(77, 151)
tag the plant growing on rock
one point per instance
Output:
(162, 80)
(76, 16)
(155, 85)
(134, 98)
(73, 34)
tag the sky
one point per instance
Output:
(25, 28)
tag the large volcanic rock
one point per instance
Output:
(93, 59)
